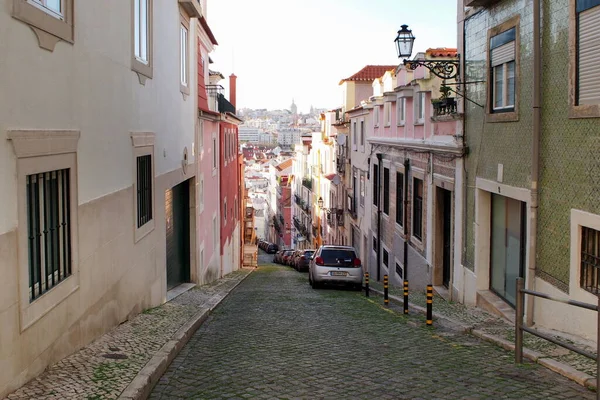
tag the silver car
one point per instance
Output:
(335, 265)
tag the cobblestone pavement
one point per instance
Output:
(276, 338)
(103, 369)
(480, 320)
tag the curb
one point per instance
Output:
(565, 370)
(145, 380)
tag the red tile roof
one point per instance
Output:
(285, 165)
(442, 52)
(370, 73)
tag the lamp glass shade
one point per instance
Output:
(404, 42)
(320, 202)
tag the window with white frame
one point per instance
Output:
(401, 111)
(362, 133)
(588, 47)
(362, 189)
(140, 33)
(419, 105)
(354, 133)
(502, 70)
(387, 112)
(183, 55)
(590, 260)
(56, 8)
(376, 116)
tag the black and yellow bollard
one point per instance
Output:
(429, 304)
(405, 297)
(366, 284)
(386, 299)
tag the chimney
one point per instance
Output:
(232, 89)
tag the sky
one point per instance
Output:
(300, 49)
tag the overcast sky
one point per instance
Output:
(301, 49)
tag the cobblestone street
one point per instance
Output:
(275, 337)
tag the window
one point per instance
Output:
(225, 212)
(399, 198)
(48, 230)
(420, 108)
(387, 112)
(354, 189)
(144, 189)
(374, 244)
(214, 151)
(141, 59)
(354, 133)
(140, 16)
(49, 30)
(362, 133)
(362, 189)
(502, 64)
(401, 110)
(376, 122)
(184, 57)
(386, 258)
(418, 208)
(590, 260)
(375, 184)
(588, 46)
(386, 191)
(399, 271)
(52, 7)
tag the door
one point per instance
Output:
(177, 214)
(507, 246)
(446, 236)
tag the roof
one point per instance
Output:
(285, 165)
(204, 25)
(369, 73)
(441, 52)
(215, 73)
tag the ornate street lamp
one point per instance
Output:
(445, 69)
(320, 202)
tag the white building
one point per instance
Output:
(89, 163)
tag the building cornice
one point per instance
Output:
(421, 145)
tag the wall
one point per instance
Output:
(89, 86)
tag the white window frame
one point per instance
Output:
(184, 55)
(505, 88)
(419, 105)
(143, 144)
(362, 134)
(43, 151)
(354, 136)
(401, 111)
(140, 31)
(43, 5)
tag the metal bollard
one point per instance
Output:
(366, 284)
(386, 299)
(429, 304)
(405, 296)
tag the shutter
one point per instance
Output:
(503, 54)
(589, 48)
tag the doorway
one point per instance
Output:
(443, 238)
(177, 214)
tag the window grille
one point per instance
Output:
(418, 208)
(144, 190)
(48, 230)
(590, 260)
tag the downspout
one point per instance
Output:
(379, 156)
(535, 157)
(405, 222)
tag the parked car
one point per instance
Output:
(285, 259)
(303, 259)
(335, 265)
(272, 248)
(277, 257)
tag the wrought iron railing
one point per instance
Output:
(307, 183)
(445, 106)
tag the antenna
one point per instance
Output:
(232, 59)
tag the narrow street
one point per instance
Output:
(275, 337)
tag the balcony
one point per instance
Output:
(444, 107)
(217, 101)
(307, 183)
(192, 7)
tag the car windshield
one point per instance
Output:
(308, 253)
(344, 257)
(287, 253)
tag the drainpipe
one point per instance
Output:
(379, 185)
(535, 156)
(405, 222)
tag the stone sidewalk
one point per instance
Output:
(125, 362)
(502, 332)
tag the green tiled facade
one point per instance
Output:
(569, 157)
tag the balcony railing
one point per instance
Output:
(445, 106)
(307, 183)
(217, 101)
